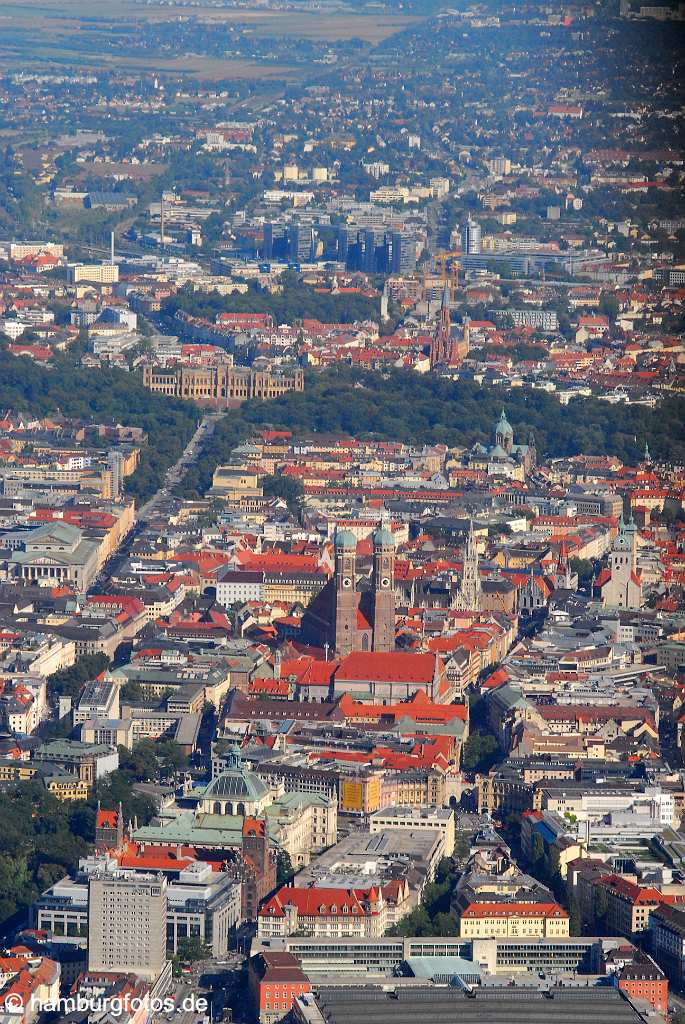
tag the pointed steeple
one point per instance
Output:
(441, 345)
(504, 434)
(384, 303)
(470, 578)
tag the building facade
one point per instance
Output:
(127, 924)
(513, 920)
(222, 385)
(324, 912)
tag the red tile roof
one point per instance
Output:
(315, 902)
(391, 666)
(106, 819)
(420, 708)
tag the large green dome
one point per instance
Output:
(236, 784)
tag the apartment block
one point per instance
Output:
(127, 924)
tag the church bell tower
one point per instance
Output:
(346, 599)
(383, 582)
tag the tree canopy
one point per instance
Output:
(104, 395)
(40, 841)
(403, 406)
(69, 681)
(295, 301)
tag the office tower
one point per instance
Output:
(384, 303)
(368, 243)
(471, 238)
(343, 244)
(499, 165)
(127, 923)
(276, 244)
(268, 244)
(115, 461)
(402, 252)
(300, 243)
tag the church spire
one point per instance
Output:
(384, 303)
(470, 578)
(445, 305)
(441, 345)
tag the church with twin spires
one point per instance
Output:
(351, 614)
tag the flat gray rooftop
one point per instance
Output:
(493, 1006)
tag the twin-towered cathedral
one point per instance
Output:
(353, 614)
(348, 616)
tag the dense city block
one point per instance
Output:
(342, 512)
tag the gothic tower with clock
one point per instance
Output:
(346, 597)
(383, 585)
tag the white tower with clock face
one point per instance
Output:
(624, 589)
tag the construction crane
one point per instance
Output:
(446, 264)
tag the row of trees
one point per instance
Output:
(105, 395)
(152, 761)
(295, 301)
(285, 487)
(545, 867)
(481, 752)
(68, 681)
(425, 410)
(432, 916)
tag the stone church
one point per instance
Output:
(620, 585)
(349, 615)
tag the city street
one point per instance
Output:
(173, 476)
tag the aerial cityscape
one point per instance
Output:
(342, 512)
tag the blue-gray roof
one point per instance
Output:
(236, 785)
(345, 539)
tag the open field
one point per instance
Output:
(49, 20)
(208, 68)
(45, 34)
